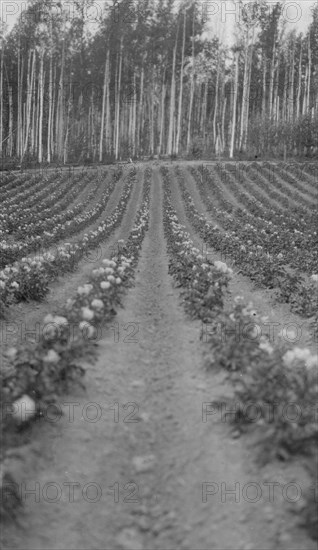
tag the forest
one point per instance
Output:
(146, 79)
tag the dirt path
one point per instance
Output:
(145, 464)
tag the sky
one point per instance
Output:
(221, 15)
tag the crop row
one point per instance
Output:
(254, 259)
(36, 199)
(256, 183)
(17, 223)
(244, 189)
(281, 179)
(278, 191)
(34, 192)
(295, 182)
(306, 175)
(29, 278)
(264, 374)
(50, 230)
(273, 227)
(20, 183)
(258, 244)
(39, 372)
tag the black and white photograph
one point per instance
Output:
(158, 275)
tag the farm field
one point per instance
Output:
(159, 357)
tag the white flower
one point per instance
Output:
(51, 357)
(108, 270)
(314, 277)
(296, 354)
(256, 330)
(88, 331)
(111, 278)
(118, 281)
(48, 319)
(221, 266)
(104, 285)
(59, 320)
(98, 304)
(15, 284)
(87, 313)
(106, 262)
(11, 353)
(265, 346)
(86, 289)
(24, 408)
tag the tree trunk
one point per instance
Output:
(309, 74)
(54, 107)
(1, 99)
(271, 81)
(216, 100)
(60, 108)
(305, 96)
(172, 101)
(244, 95)
(264, 85)
(36, 116)
(41, 92)
(284, 109)
(299, 81)
(10, 140)
(247, 107)
(134, 118)
(65, 151)
(237, 54)
(162, 111)
(275, 90)
(152, 122)
(181, 87)
(223, 121)
(19, 117)
(103, 107)
(204, 112)
(291, 84)
(29, 98)
(50, 114)
(108, 121)
(140, 111)
(118, 99)
(115, 101)
(191, 91)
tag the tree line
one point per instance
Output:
(145, 78)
